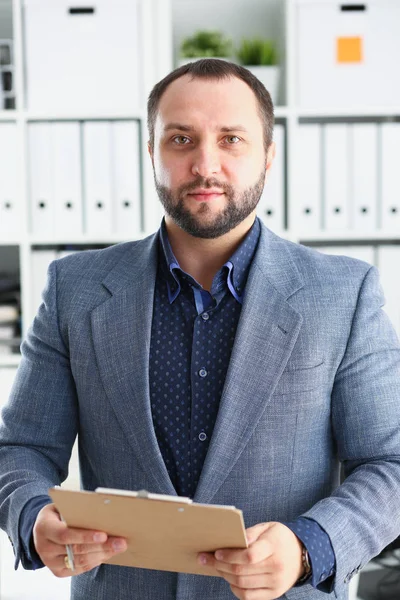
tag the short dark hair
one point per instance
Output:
(213, 68)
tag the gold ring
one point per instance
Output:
(67, 562)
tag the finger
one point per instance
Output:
(116, 544)
(71, 535)
(253, 533)
(49, 526)
(257, 552)
(261, 594)
(233, 569)
(248, 582)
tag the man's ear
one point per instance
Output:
(150, 151)
(270, 157)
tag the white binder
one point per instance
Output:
(336, 176)
(10, 203)
(390, 184)
(306, 209)
(67, 179)
(41, 189)
(272, 202)
(98, 209)
(364, 176)
(388, 264)
(126, 177)
(40, 260)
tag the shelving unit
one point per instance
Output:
(157, 28)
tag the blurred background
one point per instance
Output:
(75, 175)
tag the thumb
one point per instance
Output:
(253, 533)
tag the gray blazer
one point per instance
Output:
(313, 381)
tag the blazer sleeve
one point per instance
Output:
(39, 422)
(363, 512)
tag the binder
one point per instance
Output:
(163, 532)
(41, 260)
(388, 265)
(41, 189)
(271, 207)
(306, 210)
(98, 213)
(126, 177)
(390, 185)
(67, 179)
(336, 176)
(364, 175)
(10, 202)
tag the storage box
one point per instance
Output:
(347, 53)
(83, 56)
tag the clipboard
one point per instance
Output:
(163, 532)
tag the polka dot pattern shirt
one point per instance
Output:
(192, 337)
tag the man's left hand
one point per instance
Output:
(268, 568)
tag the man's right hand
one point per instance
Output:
(90, 548)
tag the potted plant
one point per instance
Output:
(261, 58)
(205, 44)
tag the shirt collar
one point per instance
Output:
(233, 273)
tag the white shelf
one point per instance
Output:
(83, 239)
(346, 112)
(9, 360)
(8, 115)
(80, 116)
(349, 236)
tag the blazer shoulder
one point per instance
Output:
(314, 262)
(97, 263)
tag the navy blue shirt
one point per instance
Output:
(192, 337)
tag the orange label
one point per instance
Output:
(349, 49)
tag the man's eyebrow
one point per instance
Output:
(187, 128)
(179, 126)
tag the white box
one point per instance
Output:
(83, 56)
(347, 56)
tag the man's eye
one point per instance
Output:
(181, 140)
(232, 139)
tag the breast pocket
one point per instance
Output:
(298, 378)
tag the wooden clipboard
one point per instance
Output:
(163, 532)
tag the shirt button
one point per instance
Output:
(203, 373)
(205, 316)
(202, 436)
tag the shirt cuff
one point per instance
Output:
(30, 558)
(320, 551)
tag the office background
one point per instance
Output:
(74, 171)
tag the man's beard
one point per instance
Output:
(238, 206)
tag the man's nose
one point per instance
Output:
(206, 161)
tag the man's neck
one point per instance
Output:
(202, 258)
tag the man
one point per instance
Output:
(213, 360)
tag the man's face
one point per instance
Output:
(209, 158)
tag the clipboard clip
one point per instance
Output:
(142, 494)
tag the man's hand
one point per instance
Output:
(267, 569)
(90, 548)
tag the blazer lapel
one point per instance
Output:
(121, 328)
(266, 334)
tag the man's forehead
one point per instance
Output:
(186, 96)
